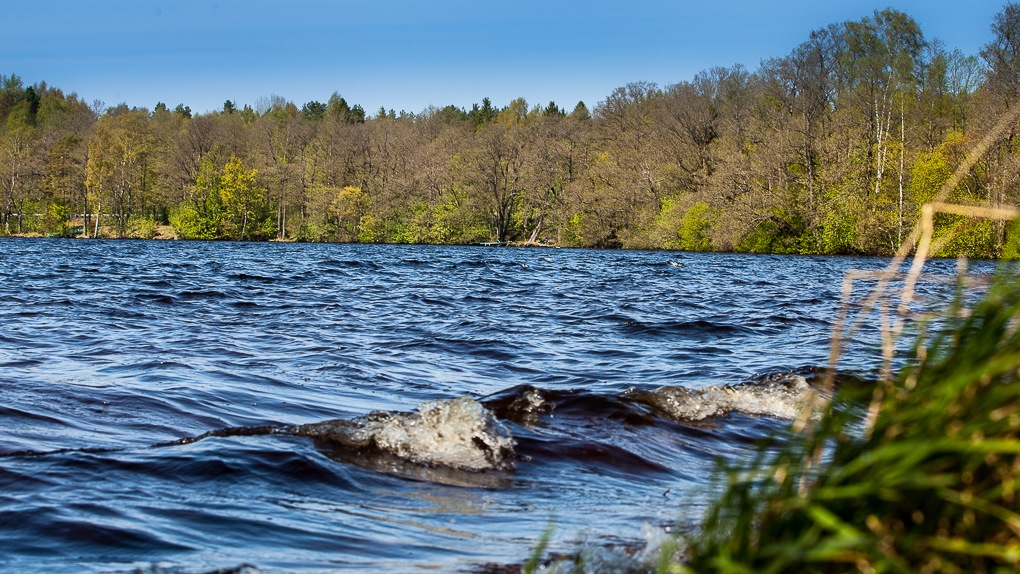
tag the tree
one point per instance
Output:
(313, 110)
(201, 214)
(278, 141)
(515, 113)
(1003, 57)
(118, 170)
(580, 112)
(880, 66)
(350, 206)
(827, 148)
(802, 86)
(481, 115)
(1003, 54)
(964, 76)
(12, 91)
(19, 158)
(65, 175)
(32, 105)
(338, 108)
(245, 203)
(496, 176)
(552, 110)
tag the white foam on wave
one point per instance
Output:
(460, 434)
(780, 396)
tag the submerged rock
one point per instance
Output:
(460, 434)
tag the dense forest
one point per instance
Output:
(831, 148)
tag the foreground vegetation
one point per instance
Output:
(931, 487)
(924, 480)
(829, 149)
(916, 474)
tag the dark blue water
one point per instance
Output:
(110, 350)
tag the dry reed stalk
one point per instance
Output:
(912, 240)
(920, 241)
(921, 237)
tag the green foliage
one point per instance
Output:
(247, 209)
(33, 215)
(686, 229)
(140, 227)
(338, 109)
(840, 233)
(190, 223)
(313, 110)
(515, 113)
(369, 229)
(576, 230)
(931, 489)
(316, 232)
(964, 236)
(535, 560)
(1011, 251)
(450, 115)
(552, 110)
(56, 221)
(248, 115)
(202, 215)
(762, 238)
(580, 112)
(12, 90)
(448, 222)
(225, 203)
(32, 101)
(481, 115)
(929, 173)
(350, 206)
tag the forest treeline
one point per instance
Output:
(831, 148)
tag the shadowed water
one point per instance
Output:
(619, 377)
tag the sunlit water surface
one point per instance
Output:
(108, 349)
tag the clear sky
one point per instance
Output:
(408, 54)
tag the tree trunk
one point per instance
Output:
(536, 230)
(903, 143)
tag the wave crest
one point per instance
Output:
(459, 433)
(782, 395)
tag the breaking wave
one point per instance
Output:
(447, 441)
(782, 396)
(778, 395)
(459, 434)
(465, 435)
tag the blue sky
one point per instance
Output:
(408, 54)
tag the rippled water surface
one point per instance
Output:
(112, 351)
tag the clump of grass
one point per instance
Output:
(929, 485)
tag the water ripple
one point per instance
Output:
(111, 347)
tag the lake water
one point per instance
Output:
(596, 375)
